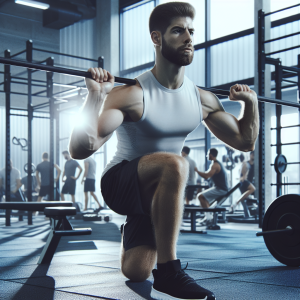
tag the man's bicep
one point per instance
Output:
(109, 120)
(225, 127)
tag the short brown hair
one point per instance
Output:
(162, 15)
(45, 155)
(65, 152)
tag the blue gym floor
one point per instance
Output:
(233, 263)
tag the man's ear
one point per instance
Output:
(156, 38)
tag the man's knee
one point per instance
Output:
(137, 263)
(175, 166)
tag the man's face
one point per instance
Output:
(209, 156)
(177, 42)
(66, 156)
(252, 157)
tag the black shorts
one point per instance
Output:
(69, 187)
(244, 186)
(89, 185)
(44, 190)
(189, 193)
(120, 190)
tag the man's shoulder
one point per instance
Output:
(124, 95)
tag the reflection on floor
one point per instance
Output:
(232, 262)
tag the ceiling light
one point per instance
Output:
(32, 3)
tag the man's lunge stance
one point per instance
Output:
(146, 178)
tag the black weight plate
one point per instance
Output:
(280, 164)
(282, 213)
(91, 217)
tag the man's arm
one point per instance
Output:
(99, 117)
(240, 133)
(58, 172)
(19, 184)
(80, 170)
(37, 176)
(244, 171)
(62, 179)
(209, 173)
(86, 169)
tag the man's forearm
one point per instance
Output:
(202, 174)
(249, 123)
(85, 135)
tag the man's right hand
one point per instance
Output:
(102, 81)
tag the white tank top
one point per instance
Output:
(168, 117)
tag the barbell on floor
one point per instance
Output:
(281, 229)
(19, 63)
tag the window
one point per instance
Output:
(231, 16)
(279, 4)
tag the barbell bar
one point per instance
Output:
(47, 68)
(272, 232)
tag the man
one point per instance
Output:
(89, 180)
(147, 176)
(218, 175)
(189, 193)
(246, 186)
(69, 171)
(15, 182)
(43, 168)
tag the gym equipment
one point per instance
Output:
(9, 61)
(281, 229)
(60, 226)
(33, 168)
(20, 142)
(280, 164)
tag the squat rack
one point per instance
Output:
(53, 113)
(263, 59)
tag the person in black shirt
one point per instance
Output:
(43, 168)
(70, 181)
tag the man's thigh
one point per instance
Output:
(150, 171)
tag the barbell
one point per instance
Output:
(281, 229)
(47, 68)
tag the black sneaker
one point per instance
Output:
(175, 284)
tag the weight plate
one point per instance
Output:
(91, 217)
(284, 212)
(280, 164)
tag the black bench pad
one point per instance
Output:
(60, 211)
(34, 206)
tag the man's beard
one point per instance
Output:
(175, 56)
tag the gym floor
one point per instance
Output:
(232, 262)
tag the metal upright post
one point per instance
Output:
(207, 138)
(7, 80)
(57, 148)
(101, 65)
(261, 106)
(278, 81)
(29, 51)
(50, 62)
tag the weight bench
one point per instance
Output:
(214, 208)
(60, 226)
(30, 207)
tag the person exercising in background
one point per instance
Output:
(43, 169)
(69, 171)
(88, 179)
(147, 177)
(189, 192)
(15, 182)
(246, 186)
(218, 175)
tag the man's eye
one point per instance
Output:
(191, 32)
(177, 30)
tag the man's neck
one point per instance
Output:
(167, 74)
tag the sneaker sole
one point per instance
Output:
(162, 296)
